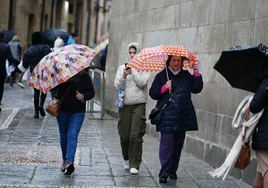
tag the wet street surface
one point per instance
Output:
(30, 154)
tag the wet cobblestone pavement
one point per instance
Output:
(30, 154)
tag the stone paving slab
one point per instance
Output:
(30, 155)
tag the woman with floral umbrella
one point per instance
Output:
(63, 70)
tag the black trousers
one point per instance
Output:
(2, 82)
(37, 98)
(171, 145)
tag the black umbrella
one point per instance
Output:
(50, 35)
(243, 67)
(9, 34)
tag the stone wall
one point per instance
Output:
(205, 27)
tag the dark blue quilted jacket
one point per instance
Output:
(259, 102)
(179, 115)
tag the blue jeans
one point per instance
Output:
(69, 128)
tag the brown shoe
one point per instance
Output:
(63, 166)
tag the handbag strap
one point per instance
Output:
(244, 137)
(123, 87)
(65, 93)
(170, 98)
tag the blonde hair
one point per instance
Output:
(16, 38)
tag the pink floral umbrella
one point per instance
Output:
(154, 59)
(59, 66)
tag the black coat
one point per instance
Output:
(179, 115)
(34, 54)
(259, 102)
(5, 53)
(82, 84)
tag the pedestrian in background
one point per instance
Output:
(259, 137)
(71, 116)
(31, 58)
(131, 122)
(179, 115)
(16, 50)
(103, 58)
(73, 39)
(58, 43)
(5, 54)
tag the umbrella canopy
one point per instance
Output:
(50, 35)
(59, 66)
(154, 59)
(242, 66)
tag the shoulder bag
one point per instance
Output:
(243, 159)
(53, 107)
(156, 113)
(120, 97)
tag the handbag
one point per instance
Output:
(243, 159)
(53, 107)
(120, 97)
(156, 113)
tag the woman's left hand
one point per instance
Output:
(196, 67)
(79, 96)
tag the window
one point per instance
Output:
(71, 8)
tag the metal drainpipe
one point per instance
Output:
(88, 21)
(52, 13)
(76, 22)
(42, 15)
(97, 21)
(10, 16)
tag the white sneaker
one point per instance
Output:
(126, 165)
(134, 171)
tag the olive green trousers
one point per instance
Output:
(131, 129)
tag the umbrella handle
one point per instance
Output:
(167, 72)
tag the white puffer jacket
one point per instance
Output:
(136, 91)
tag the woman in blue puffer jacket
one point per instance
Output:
(179, 115)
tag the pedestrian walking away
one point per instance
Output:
(76, 90)
(259, 137)
(172, 87)
(16, 50)
(131, 122)
(5, 54)
(30, 59)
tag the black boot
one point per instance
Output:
(173, 176)
(42, 111)
(163, 180)
(69, 168)
(36, 115)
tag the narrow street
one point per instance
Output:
(30, 154)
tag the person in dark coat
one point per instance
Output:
(5, 54)
(71, 115)
(260, 135)
(30, 59)
(103, 59)
(179, 115)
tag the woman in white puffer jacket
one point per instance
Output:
(131, 122)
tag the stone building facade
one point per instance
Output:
(88, 18)
(205, 27)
